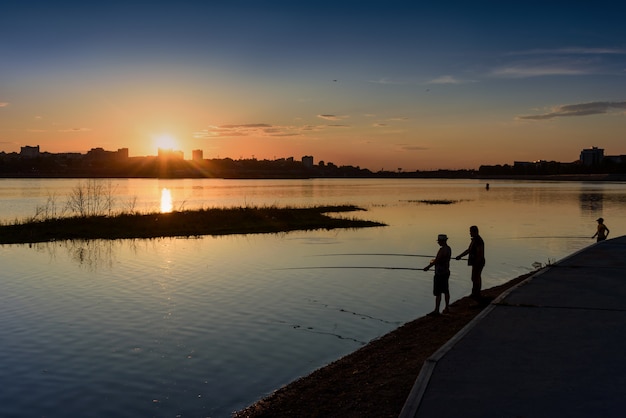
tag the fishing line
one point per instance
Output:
(315, 331)
(381, 254)
(551, 237)
(377, 254)
(352, 267)
(365, 267)
(362, 315)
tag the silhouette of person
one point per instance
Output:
(476, 259)
(602, 231)
(442, 274)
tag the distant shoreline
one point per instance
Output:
(559, 177)
(441, 174)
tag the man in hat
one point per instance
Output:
(602, 231)
(442, 274)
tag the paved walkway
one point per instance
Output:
(555, 346)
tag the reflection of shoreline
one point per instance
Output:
(92, 255)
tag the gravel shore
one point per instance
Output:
(375, 380)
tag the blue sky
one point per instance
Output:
(412, 85)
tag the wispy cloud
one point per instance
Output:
(75, 130)
(4, 104)
(523, 71)
(446, 79)
(248, 126)
(571, 51)
(580, 109)
(386, 122)
(390, 81)
(248, 129)
(253, 129)
(332, 117)
(570, 61)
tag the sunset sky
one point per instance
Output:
(380, 85)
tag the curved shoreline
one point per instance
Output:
(375, 380)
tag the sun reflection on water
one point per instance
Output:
(166, 200)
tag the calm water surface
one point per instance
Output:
(205, 326)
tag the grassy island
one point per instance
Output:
(216, 221)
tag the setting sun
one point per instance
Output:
(165, 141)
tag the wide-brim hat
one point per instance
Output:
(442, 237)
(600, 220)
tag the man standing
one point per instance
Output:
(442, 274)
(476, 259)
(602, 231)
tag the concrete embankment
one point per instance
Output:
(552, 346)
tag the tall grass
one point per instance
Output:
(88, 198)
(91, 198)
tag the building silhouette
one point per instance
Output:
(592, 156)
(197, 155)
(29, 152)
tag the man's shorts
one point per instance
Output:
(440, 283)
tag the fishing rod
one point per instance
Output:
(381, 254)
(377, 254)
(365, 267)
(352, 267)
(552, 237)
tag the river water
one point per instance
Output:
(204, 326)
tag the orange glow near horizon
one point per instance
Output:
(165, 141)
